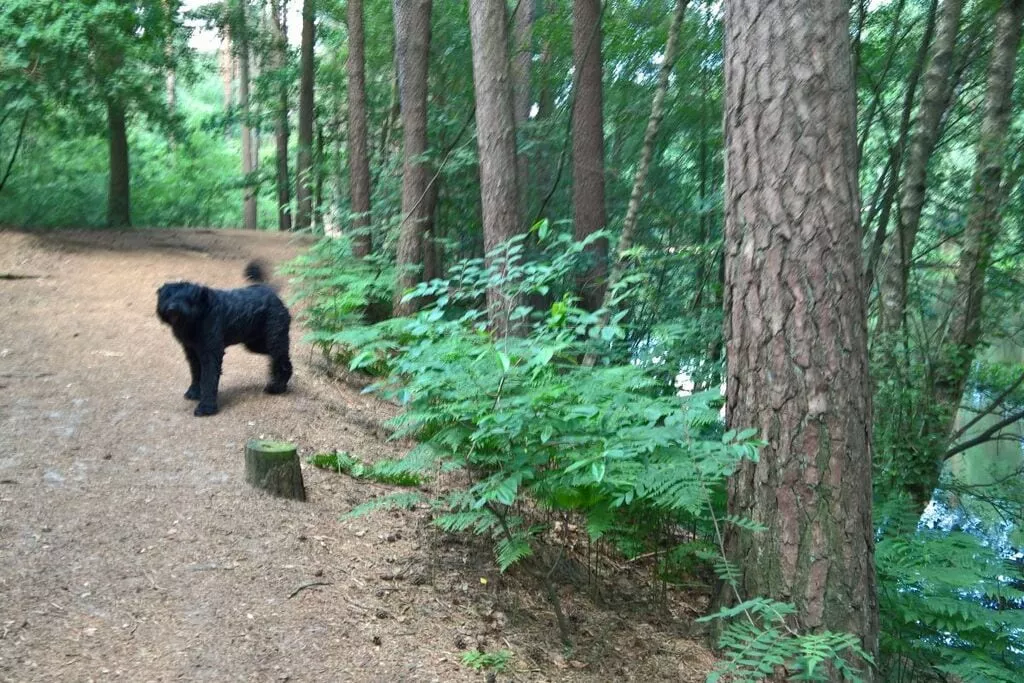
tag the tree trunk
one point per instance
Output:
(795, 315)
(521, 68)
(890, 179)
(171, 79)
(248, 146)
(119, 192)
(935, 99)
(496, 141)
(226, 68)
(542, 160)
(588, 148)
(279, 13)
(430, 245)
(412, 47)
(358, 146)
(983, 225)
(304, 163)
(653, 123)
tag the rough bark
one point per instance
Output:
(412, 47)
(304, 162)
(982, 229)
(249, 208)
(358, 146)
(588, 148)
(795, 315)
(496, 140)
(935, 98)
(279, 57)
(119, 189)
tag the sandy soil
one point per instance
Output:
(131, 548)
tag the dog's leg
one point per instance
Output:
(280, 364)
(192, 393)
(280, 373)
(210, 361)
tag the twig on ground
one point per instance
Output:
(308, 585)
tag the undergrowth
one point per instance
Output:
(343, 463)
(532, 428)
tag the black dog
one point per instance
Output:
(207, 320)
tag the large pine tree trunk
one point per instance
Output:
(412, 47)
(119, 189)
(795, 315)
(304, 163)
(279, 57)
(496, 140)
(935, 99)
(358, 146)
(588, 147)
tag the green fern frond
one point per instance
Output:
(509, 551)
(395, 501)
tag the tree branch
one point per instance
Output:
(985, 435)
(14, 154)
(991, 406)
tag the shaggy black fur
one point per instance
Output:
(206, 321)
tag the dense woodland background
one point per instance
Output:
(535, 242)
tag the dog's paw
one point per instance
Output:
(275, 388)
(204, 409)
(192, 393)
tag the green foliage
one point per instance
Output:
(949, 604)
(525, 419)
(379, 472)
(758, 644)
(395, 501)
(478, 660)
(341, 294)
(82, 53)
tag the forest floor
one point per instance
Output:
(132, 549)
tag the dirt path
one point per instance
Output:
(130, 547)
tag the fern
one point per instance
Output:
(395, 501)
(510, 550)
(385, 472)
(949, 604)
(758, 644)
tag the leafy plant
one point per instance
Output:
(478, 660)
(758, 644)
(530, 423)
(380, 472)
(342, 294)
(950, 604)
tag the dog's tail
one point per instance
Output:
(256, 272)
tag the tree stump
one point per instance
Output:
(274, 467)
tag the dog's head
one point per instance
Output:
(182, 304)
